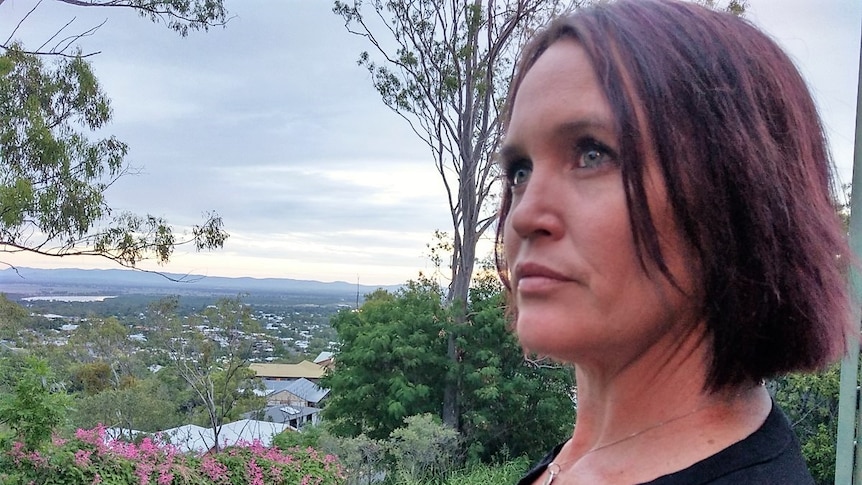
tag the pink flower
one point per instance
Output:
(255, 473)
(165, 478)
(17, 452)
(37, 459)
(143, 471)
(82, 458)
(213, 469)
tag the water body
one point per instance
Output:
(69, 298)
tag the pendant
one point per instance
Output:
(552, 474)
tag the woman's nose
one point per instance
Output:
(537, 207)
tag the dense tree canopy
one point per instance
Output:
(506, 398)
(392, 365)
(811, 404)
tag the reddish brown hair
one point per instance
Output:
(749, 178)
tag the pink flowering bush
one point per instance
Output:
(89, 458)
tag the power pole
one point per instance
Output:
(848, 456)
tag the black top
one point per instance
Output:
(770, 456)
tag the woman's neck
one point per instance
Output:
(655, 409)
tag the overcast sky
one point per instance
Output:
(271, 123)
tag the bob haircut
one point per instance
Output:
(742, 152)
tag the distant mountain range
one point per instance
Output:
(32, 281)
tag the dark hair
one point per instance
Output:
(742, 152)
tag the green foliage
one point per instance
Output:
(392, 362)
(32, 403)
(144, 405)
(362, 457)
(811, 404)
(308, 436)
(13, 318)
(105, 341)
(211, 354)
(506, 399)
(92, 378)
(423, 450)
(180, 16)
(482, 474)
(395, 345)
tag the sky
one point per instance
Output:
(270, 123)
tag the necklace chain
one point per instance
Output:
(554, 468)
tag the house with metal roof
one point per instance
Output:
(301, 392)
(294, 416)
(196, 439)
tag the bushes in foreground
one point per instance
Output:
(90, 459)
(422, 452)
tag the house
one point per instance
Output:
(294, 416)
(196, 439)
(249, 430)
(300, 392)
(188, 438)
(325, 360)
(289, 372)
(295, 403)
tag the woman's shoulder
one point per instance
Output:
(540, 467)
(769, 456)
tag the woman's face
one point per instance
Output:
(581, 292)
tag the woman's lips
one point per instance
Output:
(538, 278)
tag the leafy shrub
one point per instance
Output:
(308, 436)
(363, 458)
(811, 404)
(509, 472)
(424, 450)
(33, 404)
(482, 474)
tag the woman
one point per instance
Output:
(668, 227)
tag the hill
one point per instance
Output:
(39, 282)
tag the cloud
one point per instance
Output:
(271, 123)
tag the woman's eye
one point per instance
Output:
(519, 175)
(592, 155)
(592, 158)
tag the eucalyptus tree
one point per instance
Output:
(444, 67)
(210, 353)
(55, 163)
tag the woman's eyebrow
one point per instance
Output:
(509, 152)
(593, 124)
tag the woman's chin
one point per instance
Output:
(541, 343)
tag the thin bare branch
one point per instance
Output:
(25, 17)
